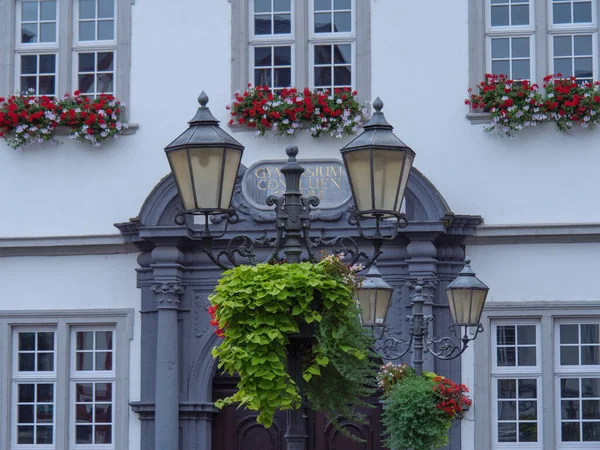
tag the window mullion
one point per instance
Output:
(547, 382)
(300, 29)
(62, 386)
(65, 44)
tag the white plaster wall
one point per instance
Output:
(79, 282)
(419, 68)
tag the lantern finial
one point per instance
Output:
(203, 99)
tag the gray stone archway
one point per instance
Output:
(176, 278)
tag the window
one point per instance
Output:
(529, 39)
(322, 44)
(57, 46)
(66, 381)
(544, 378)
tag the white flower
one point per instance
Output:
(31, 102)
(339, 101)
(285, 121)
(50, 115)
(77, 110)
(550, 95)
(585, 125)
(290, 131)
(504, 98)
(103, 126)
(104, 134)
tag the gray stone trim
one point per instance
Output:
(478, 118)
(63, 320)
(476, 42)
(65, 245)
(240, 39)
(65, 44)
(132, 128)
(535, 234)
(545, 312)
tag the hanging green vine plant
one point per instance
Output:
(257, 308)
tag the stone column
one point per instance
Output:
(166, 419)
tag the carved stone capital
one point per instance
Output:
(429, 286)
(167, 295)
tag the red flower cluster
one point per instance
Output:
(26, 119)
(289, 110)
(452, 396)
(567, 101)
(512, 104)
(220, 331)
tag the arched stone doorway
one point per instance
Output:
(175, 277)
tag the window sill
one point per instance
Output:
(64, 130)
(478, 118)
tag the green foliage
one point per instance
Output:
(412, 418)
(256, 308)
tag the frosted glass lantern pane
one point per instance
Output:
(388, 170)
(466, 305)
(206, 167)
(367, 299)
(179, 166)
(358, 166)
(232, 163)
(383, 302)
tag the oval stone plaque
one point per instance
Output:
(323, 178)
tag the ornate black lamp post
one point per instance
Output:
(205, 161)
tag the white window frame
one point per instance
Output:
(63, 323)
(65, 47)
(94, 49)
(255, 38)
(567, 33)
(273, 44)
(579, 371)
(37, 53)
(77, 44)
(488, 49)
(311, 72)
(509, 29)
(572, 26)
(515, 372)
(333, 36)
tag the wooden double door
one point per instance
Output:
(236, 429)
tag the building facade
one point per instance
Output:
(80, 364)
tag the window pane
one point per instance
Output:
(591, 431)
(507, 388)
(562, 47)
(343, 22)
(26, 393)
(506, 355)
(589, 353)
(45, 361)
(262, 6)
(520, 70)
(528, 432)
(507, 432)
(323, 23)
(570, 431)
(583, 47)
(582, 12)
(501, 49)
(87, 31)
(29, 11)
(501, 68)
(505, 334)
(282, 5)
(26, 84)
(342, 54)
(27, 360)
(590, 387)
(105, 61)
(561, 13)
(507, 410)
(322, 5)
(84, 413)
(28, 33)
(342, 4)
(528, 410)
(106, 30)
(283, 78)
(591, 409)
(47, 65)
(83, 434)
(85, 360)
(43, 434)
(322, 76)
(564, 66)
(45, 393)
(520, 15)
(283, 56)
(25, 414)
(283, 23)
(500, 16)
(106, 9)
(569, 409)
(527, 388)
(85, 340)
(27, 340)
(569, 387)
(262, 56)
(262, 24)
(520, 49)
(322, 54)
(262, 77)
(48, 11)
(103, 434)
(46, 340)
(87, 9)
(569, 356)
(104, 338)
(103, 413)
(24, 434)
(104, 392)
(104, 359)
(342, 76)
(45, 413)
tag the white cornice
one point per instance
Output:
(535, 234)
(65, 245)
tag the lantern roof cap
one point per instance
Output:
(466, 279)
(378, 133)
(204, 131)
(373, 279)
